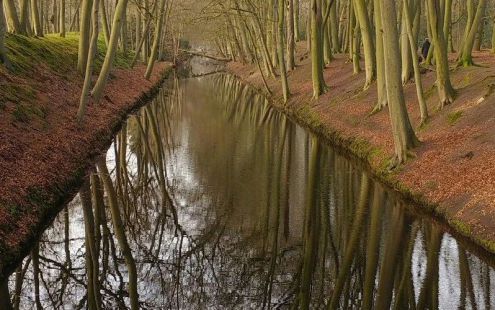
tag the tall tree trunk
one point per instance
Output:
(84, 35)
(291, 45)
(367, 37)
(104, 21)
(404, 136)
(62, 18)
(445, 90)
(465, 56)
(334, 29)
(90, 60)
(380, 61)
(3, 29)
(12, 18)
(100, 84)
(281, 60)
(36, 18)
(417, 74)
(158, 32)
(24, 18)
(297, 29)
(319, 86)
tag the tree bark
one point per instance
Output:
(158, 32)
(465, 57)
(404, 136)
(380, 60)
(445, 90)
(319, 86)
(281, 60)
(291, 44)
(3, 29)
(84, 35)
(100, 84)
(367, 37)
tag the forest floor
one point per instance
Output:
(453, 170)
(43, 151)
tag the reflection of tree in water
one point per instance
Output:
(215, 200)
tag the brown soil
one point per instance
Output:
(453, 170)
(44, 153)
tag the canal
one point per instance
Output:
(211, 199)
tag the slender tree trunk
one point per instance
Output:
(493, 36)
(319, 86)
(445, 90)
(291, 44)
(380, 61)
(297, 29)
(465, 57)
(3, 29)
(417, 74)
(334, 29)
(104, 22)
(62, 18)
(404, 136)
(367, 37)
(158, 32)
(36, 18)
(97, 91)
(24, 18)
(12, 17)
(281, 60)
(93, 47)
(84, 35)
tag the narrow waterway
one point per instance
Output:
(227, 204)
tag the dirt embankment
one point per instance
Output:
(452, 172)
(43, 152)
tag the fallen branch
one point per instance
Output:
(205, 55)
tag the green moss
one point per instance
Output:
(25, 112)
(59, 54)
(453, 117)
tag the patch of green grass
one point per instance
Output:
(453, 117)
(25, 112)
(59, 54)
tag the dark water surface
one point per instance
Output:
(227, 204)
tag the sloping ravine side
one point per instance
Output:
(49, 201)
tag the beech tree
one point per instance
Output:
(472, 28)
(319, 86)
(402, 131)
(3, 29)
(435, 18)
(367, 36)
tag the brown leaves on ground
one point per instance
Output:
(41, 145)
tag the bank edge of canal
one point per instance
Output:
(372, 158)
(42, 204)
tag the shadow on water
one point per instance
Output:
(210, 199)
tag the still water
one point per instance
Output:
(210, 199)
